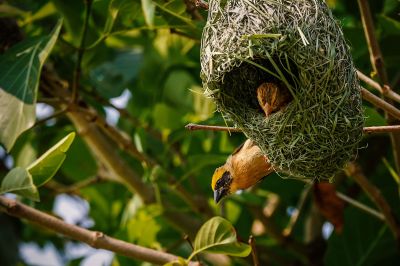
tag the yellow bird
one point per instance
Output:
(247, 165)
(244, 167)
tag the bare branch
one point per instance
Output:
(92, 238)
(384, 91)
(379, 67)
(193, 127)
(378, 102)
(382, 129)
(373, 46)
(374, 129)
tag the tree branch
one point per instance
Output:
(373, 84)
(81, 51)
(104, 149)
(373, 46)
(378, 102)
(193, 127)
(92, 238)
(379, 67)
(374, 129)
(252, 243)
(354, 170)
(382, 129)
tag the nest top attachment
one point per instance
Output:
(296, 45)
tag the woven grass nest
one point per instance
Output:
(296, 43)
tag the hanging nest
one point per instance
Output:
(299, 45)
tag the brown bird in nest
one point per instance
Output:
(272, 97)
(247, 165)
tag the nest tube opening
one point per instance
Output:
(297, 44)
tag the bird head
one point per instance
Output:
(221, 183)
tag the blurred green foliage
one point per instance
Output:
(151, 49)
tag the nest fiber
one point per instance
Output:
(299, 45)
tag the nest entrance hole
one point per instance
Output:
(239, 86)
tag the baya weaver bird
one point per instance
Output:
(247, 165)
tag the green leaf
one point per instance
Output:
(217, 235)
(47, 165)
(148, 8)
(19, 181)
(373, 117)
(179, 262)
(20, 70)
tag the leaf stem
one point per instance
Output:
(187, 238)
(252, 243)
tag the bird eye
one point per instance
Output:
(224, 180)
(219, 183)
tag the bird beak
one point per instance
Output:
(219, 194)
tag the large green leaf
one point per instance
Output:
(19, 181)
(47, 165)
(217, 235)
(19, 78)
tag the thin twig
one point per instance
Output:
(54, 115)
(373, 46)
(374, 129)
(378, 102)
(388, 93)
(193, 127)
(81, 51)
(379, 68)
(137, 123)
(92, 238)
(252, 243)
(74, 188)
(354, 170)
(361, 206)
(382, 129)
(274, 232)
(295, 216)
